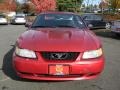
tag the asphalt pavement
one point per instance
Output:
(108, 80)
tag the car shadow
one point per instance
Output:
(107, 34)
(7, 65)
(9, 71)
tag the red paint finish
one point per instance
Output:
(58, 40)
(45, 38)
(39, 69)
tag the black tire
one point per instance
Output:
(117, 34)
(108, 26)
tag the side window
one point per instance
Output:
(88, 17)
(97, 17)
(92, 17)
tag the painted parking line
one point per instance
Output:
(3, 77)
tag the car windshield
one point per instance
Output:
(92, 17)
(19, 16)
(1, 16)
(58, 20)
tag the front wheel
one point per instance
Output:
(117, 34)
(108, 26)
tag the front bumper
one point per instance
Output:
(19, 21)
(39, 69)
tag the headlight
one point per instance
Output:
(90, 25)
(25, 53)
(92, 54)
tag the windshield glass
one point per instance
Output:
(58, 20)
(19, 17)
(93, 17)
(1, 16)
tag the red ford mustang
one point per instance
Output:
(58, 46)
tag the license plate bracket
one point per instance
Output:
(59, 70)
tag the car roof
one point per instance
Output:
(91, 14)
(57, 12)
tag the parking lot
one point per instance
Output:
(108, 80)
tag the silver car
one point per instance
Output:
(18, 20)
(3, 20)
(115, 27)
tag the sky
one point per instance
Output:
(92, 2)
(21, 1)
(85, 1)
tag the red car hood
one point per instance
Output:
(55, 39)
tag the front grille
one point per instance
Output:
(60, 55)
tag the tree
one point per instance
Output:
(44, 5)
(69, 5)
(103, 5)
(1, 1)
(18, 7)
(114, 4)
(31, 7)
(7, 6)
(25, 8)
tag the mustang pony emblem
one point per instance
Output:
(59, 55)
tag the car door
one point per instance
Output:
(94, 20)
(99, 21)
